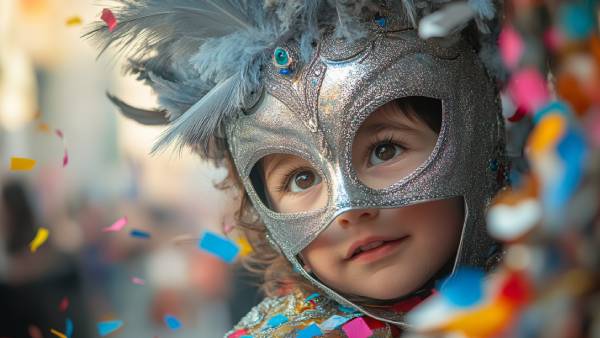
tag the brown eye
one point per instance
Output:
(384, 152)
(303, 180)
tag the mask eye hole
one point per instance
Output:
(288, 184)
(395, 140)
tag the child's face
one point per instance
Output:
(417, 240)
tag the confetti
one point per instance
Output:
(275, 321)
(357, 328)
(333, 322)
(60, 134)
(511, 46)
(69, 328)
(21, 163)
(108, 327)
(138, 281)
(528, 89)
(40, 237)
(245, 247)
(310, 331)
(576, 21)
(58, 334)
(73, 21)
(507, 222)
(238, 334)
(64, 304)
(35, 331)
(312, 296)
(219, 246)
(109, 18)
(117, 225)
(172, 322)
(347, 309)
(139, 234)
(464, 288)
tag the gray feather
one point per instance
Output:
(143, 116)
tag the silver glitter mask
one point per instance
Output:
(315, 111)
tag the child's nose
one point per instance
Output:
(354, 217)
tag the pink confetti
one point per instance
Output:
(109, 18)
(528, 89)
(511, 46)
(117, 226)
(65, 155)
(64, 304)
(553, 38)
(137, 281)
(357, 328)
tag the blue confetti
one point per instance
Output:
(577, 21)
(554, 107)
(276, 321)
(333, 322)
(219, 246)
(311, 297)
(106, 328)
(464, 288)
(310, 331)
(172, 322)
(139, 234)
(347, 309)
(69, 328)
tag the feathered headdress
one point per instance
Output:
(204, 57)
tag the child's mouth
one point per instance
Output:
(375, 250)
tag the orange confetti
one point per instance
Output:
(21, 163)
(43, 127)
(547, 133)
(245, 247)
(73, 21)
(58, 334)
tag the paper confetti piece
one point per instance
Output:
(357, 328)
(118, 225)
(69, 328)
(312, 296)
(64, 304)
(108, 327)
(109, 18)
(172, 322)
(238, 334)
(58, 334)
(219, 246)
(333, 322)
(35, 331)
(21, 163)
(464, 288)
(528, 89)
(137, 281)
(347, 309)
(511, 46)
(310, 331)
(43, 127)
(245, 247)
(276, 320)
(40, 237)
(73, 21)
(139, 234)
(60, 134)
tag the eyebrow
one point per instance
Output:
(381, 126)
(273, 164)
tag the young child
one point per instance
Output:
(368, 153)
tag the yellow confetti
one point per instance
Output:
(59, 334)
(40, 238)
(547, 133)
(245, 247)
(73, 21)
(21, 163)
(43, 127)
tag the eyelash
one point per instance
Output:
(387, 139)
(287, 177)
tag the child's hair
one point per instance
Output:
(277, 273)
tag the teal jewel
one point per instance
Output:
(493, 165)
(380, 20)
(282, 60)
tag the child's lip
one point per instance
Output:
(368, 240)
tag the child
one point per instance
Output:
(368, 154)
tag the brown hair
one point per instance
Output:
(277, 274)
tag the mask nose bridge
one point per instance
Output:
(341, 189)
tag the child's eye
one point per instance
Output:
(302, 180)
(384, 152)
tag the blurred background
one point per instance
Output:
(99, 171)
